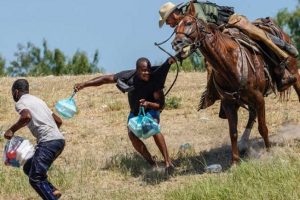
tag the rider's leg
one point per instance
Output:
(289, 48)
(242, 23)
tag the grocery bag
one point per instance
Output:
(143, 126)
(17, 151)
(67, 107)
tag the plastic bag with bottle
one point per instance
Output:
(143, 125)
(67, 107)
(17, 151)
(214, 168)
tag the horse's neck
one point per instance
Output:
(221, 51)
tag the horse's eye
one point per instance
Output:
(188, 23)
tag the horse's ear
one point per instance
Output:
(191, 9)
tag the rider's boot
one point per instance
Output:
(291, 50)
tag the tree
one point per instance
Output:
(79, 64)
(42, 64)
(24, 61)
(2, 66)
(94, 64)
(34, 61)
(59, 62)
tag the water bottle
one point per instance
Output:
(214, 168)
(185, 146)
(67, 107)
(11, 154)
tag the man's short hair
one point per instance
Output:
(21, 84)
(140, 60)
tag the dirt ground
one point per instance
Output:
(98, 148)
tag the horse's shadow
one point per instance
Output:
(187, 162)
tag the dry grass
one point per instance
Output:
(99, 161)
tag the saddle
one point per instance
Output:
(211, 94)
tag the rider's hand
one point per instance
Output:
(78, 86)
(8, 134)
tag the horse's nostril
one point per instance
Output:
(176, 42)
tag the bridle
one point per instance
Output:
(199, 28)
(195, 44)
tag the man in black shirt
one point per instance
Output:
(145, 88)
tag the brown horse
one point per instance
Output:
(239, 73)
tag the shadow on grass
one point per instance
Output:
(134, 165)
(186, 161)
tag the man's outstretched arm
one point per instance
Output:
(105, 79)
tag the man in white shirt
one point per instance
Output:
(44, 126)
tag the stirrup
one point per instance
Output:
(283, 64)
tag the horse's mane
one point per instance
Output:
(224, 41)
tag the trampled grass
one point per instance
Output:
(99, 161)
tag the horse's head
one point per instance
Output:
(189, 33)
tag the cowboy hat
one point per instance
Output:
(165, 10)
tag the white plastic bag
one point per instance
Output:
(17, 151)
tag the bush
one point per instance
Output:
(172, 103)
(191, 64)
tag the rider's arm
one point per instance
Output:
(160, 73)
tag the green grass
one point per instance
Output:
(275, 178)
(15, 183)
(172, 103)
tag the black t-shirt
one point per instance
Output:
(143, 89)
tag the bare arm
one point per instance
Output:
(57, 120)
(105, 79)
(159, 101)
(25, 118)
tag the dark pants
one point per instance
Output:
(36, 168)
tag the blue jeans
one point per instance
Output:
(36, 168)
(155, 114)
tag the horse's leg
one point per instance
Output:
(296, 86)
(292, 68)
(231, 114)
(244, 141)
(261, 117)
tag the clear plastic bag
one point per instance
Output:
(143, 126)
(17, 151)
(67, 107)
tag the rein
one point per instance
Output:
(177, 66)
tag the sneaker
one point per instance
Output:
(57, 193)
